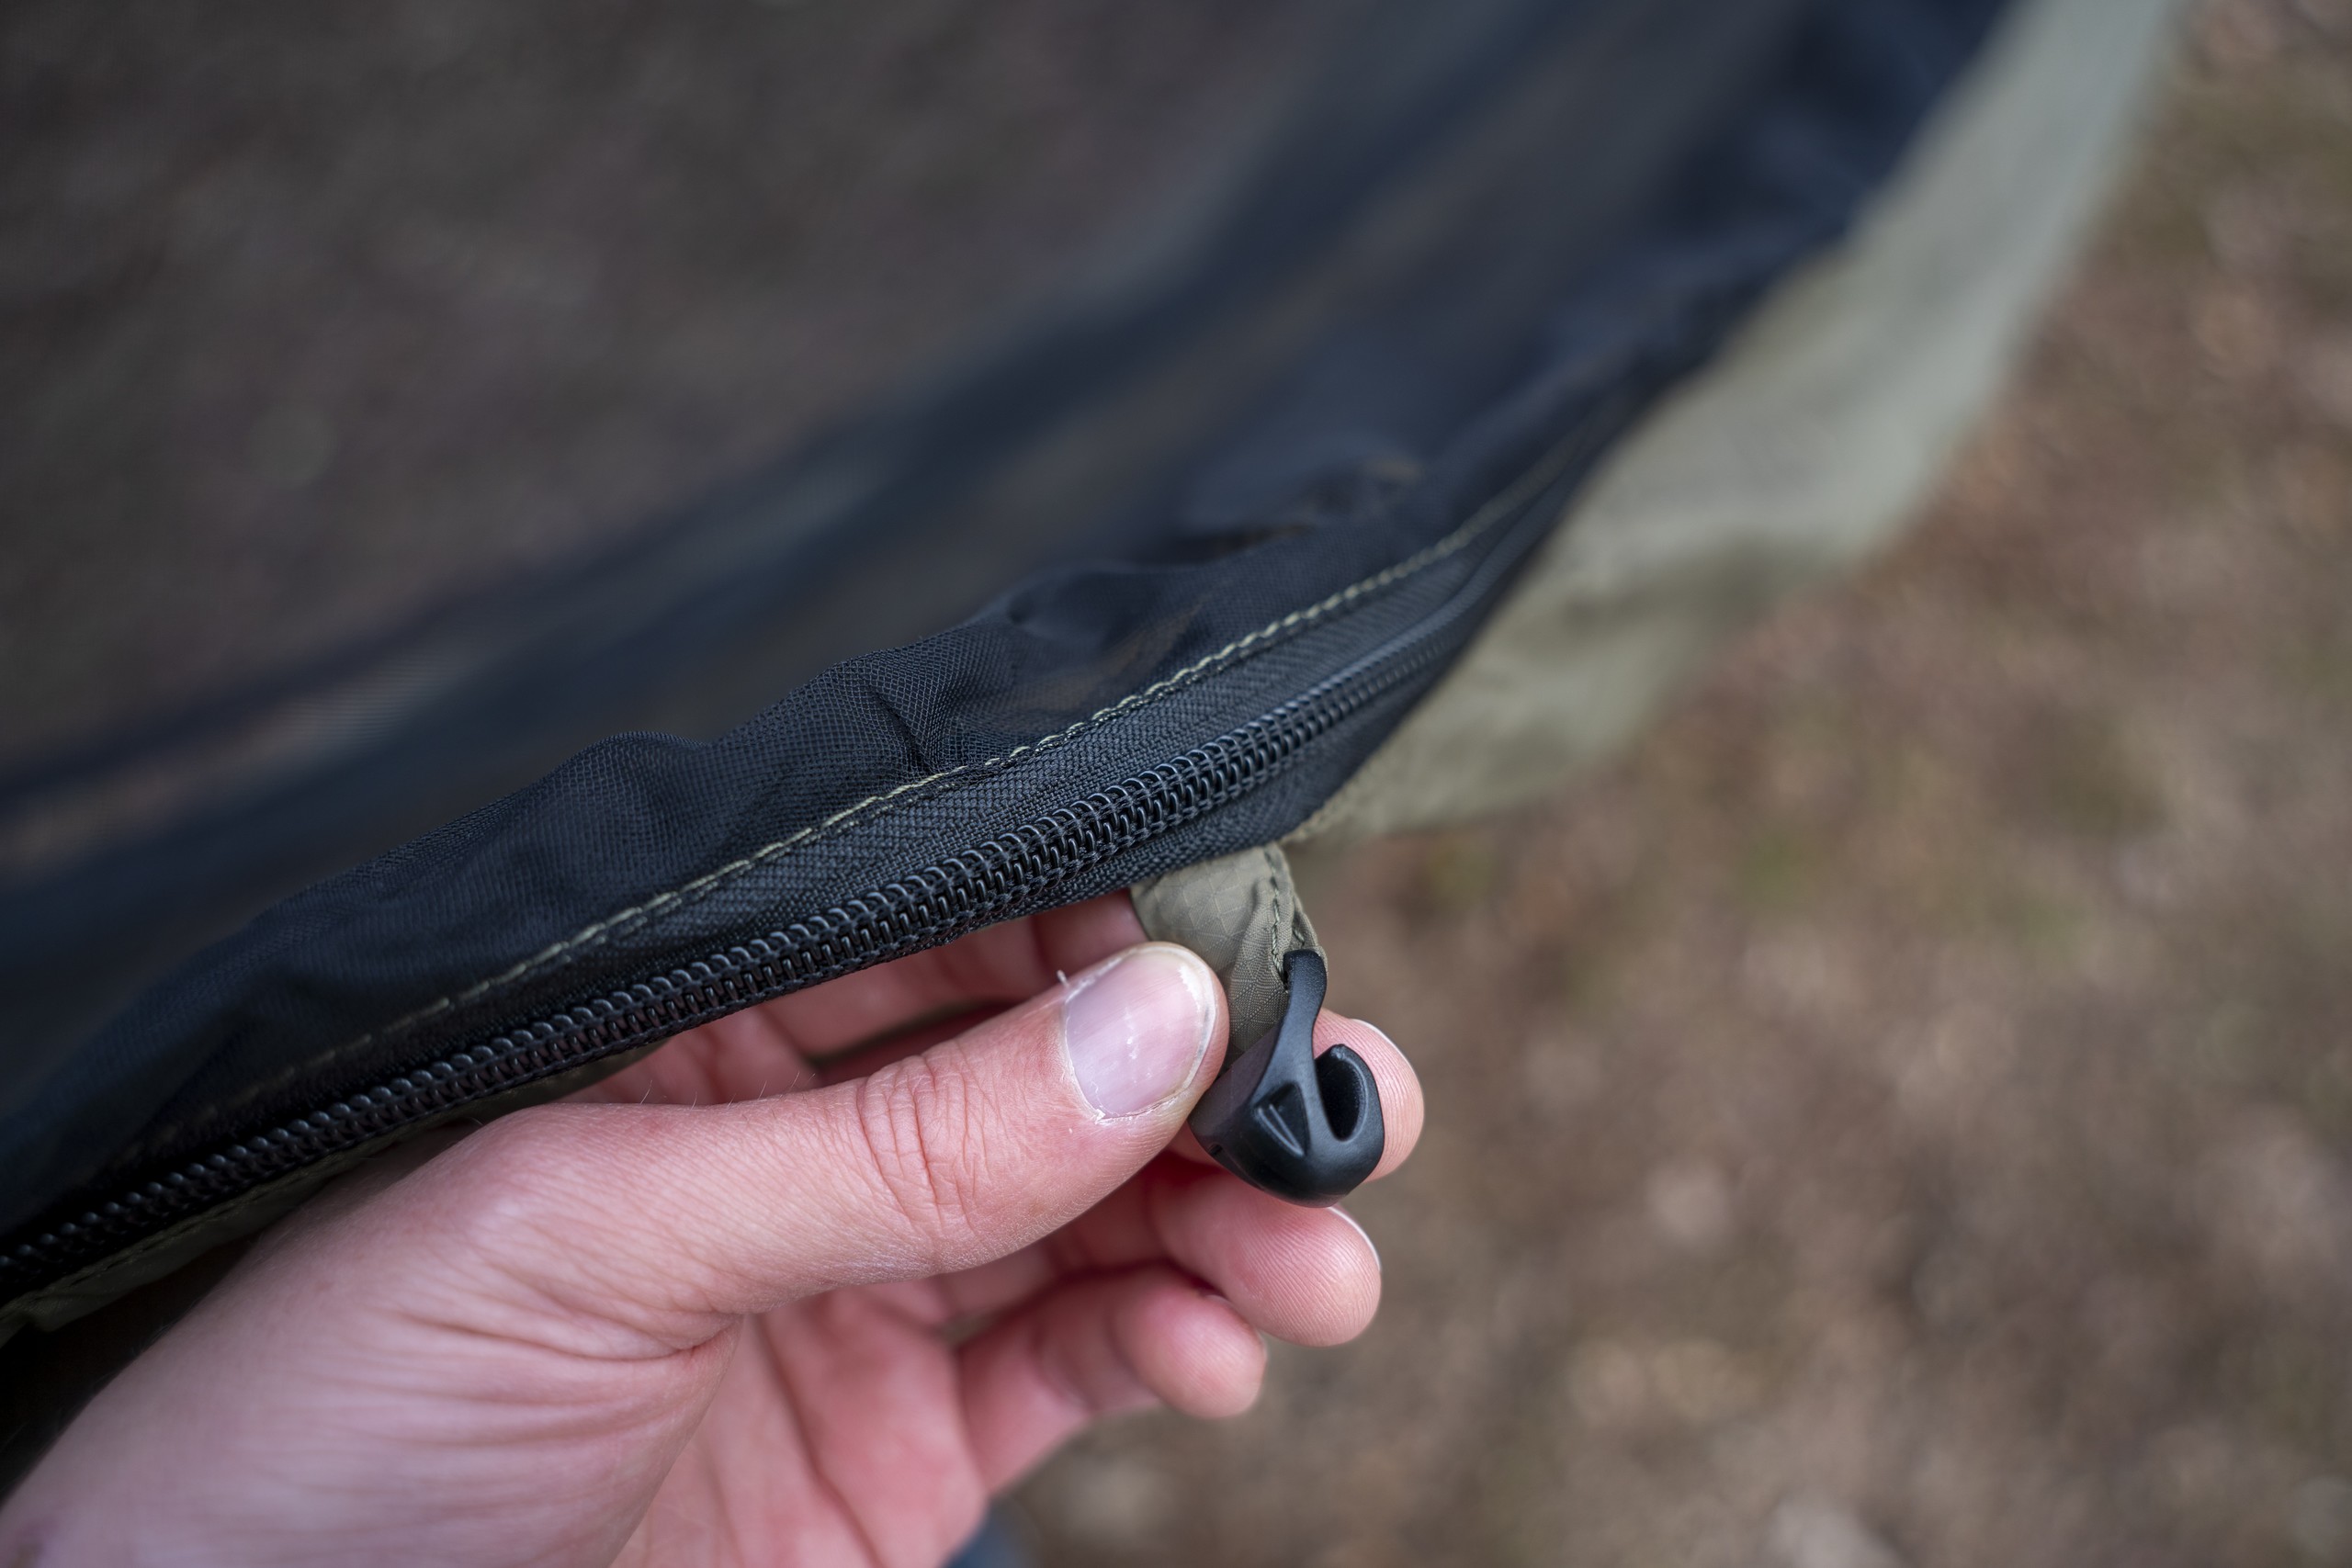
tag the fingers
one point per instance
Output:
(1309, 1275)
(744, 1055)
(1269, 1257)
(873, 1407)
(1097, 1347)
(664, 1221)
(913, 1002)
(1401, 1109)
(998, 965)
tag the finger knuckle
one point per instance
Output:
(500, 1207)
(920, 1126)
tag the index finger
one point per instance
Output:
(769, 1047)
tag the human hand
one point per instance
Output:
(753, 1299)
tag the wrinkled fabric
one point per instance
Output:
(1807, 443)
(1242, 913)
(1344, 442)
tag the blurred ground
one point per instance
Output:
(1902, 1114)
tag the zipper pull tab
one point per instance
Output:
(1302, 1127)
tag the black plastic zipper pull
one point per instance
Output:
(1302, 1127)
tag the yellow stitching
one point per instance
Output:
(1543, 471)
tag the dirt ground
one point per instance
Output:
(1903, 1114)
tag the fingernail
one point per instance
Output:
(1135, 1029)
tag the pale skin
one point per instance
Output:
(776, 1294)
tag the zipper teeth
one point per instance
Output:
(937, 904)
(942, 901)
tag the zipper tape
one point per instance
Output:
(1008, 874)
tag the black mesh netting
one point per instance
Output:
(1270, 340)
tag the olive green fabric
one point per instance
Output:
(1242, 913)
(101, 1283)
(1805, 445)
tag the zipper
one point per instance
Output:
(943, 900)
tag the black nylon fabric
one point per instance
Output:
(867, 537)
(1490, 323)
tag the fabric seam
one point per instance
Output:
(1532, 480)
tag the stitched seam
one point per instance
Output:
(172, 1235)
(1539, 474)
(1478, 523)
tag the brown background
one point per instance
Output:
(1903, 1114)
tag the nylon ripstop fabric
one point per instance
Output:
(1464, 268)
